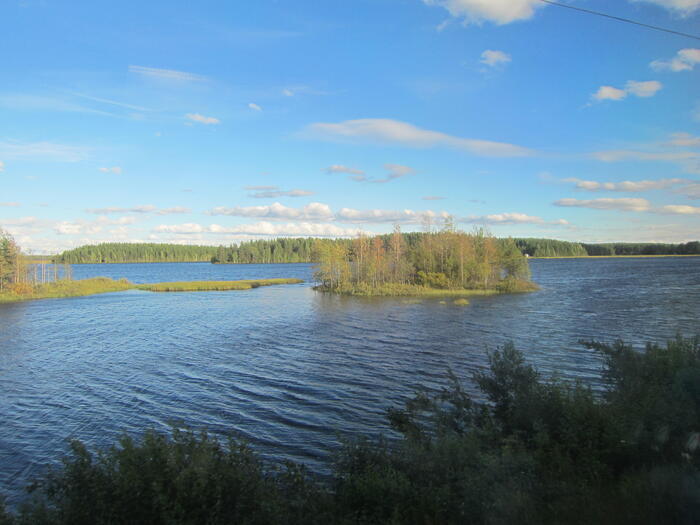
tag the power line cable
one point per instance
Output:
(621, 19)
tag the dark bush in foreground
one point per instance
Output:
(536, 452)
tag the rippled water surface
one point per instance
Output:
(289, 368)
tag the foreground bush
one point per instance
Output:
(534, 451)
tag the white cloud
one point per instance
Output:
(339, 168)
(315, 211)
(116, 170)
(2, 166)
(513, 218)
(196, 117)
(679, 209)
(379, 216)
(260, 188)
(643, 89)
(684, 140)
(684, 60)
(681, 7)
(81, 227)
(432, 198)
(254, 106)
(640, 185)
(494, 58)
(10, 204)
(48, 151)
(609, 93)
(625, 204)
(497, 11)
(287, 92)
(397, 132)
(274, 194)
(301, 229)
(166, 74)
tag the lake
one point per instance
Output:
(290, 369)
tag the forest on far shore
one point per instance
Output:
(300, 250)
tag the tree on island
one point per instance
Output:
(447, 259)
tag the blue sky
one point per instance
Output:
(214, 122)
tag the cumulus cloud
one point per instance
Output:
(115, 169)
(173, 210)
(166, 74)
(494, 58)
(81, 227)
(684, 60)
(339, 168)
(2, 166)
(624, 204)
(403, 133)
(640, 185)
(254, 106)
(315, 211)
(497, 11)
(275, 193)
(609, 93)
(10, 204)
(643, 89)
(432, 198)
(196, 117)
(513, 218)
(681, 7)
(378, 216)
(298, 229)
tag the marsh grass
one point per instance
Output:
(204, 286)
(98, 285)
(415, 290)
(64, 288)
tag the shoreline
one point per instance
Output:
(615, 256)
(100, 285)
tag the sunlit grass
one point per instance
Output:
(204, 286)
(64, 288)
(97, 285)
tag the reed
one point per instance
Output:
(208, 286)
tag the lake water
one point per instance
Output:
(290, 369)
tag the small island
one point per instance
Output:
(448, 262)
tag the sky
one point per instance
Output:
(214, 122)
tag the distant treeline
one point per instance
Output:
(554, 248)
(124, 252)
(300, 250)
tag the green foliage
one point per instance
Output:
(283, 250)
(527, 450)
(124, 252)
(550, 248)
(629, 248)
(443, 260)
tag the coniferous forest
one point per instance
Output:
(301, 250)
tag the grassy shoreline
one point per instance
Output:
(414, 290)
(99, 285)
